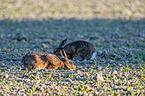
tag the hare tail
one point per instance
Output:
(94, 55)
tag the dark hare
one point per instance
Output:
(83, 49)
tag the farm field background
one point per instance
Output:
(115, 27)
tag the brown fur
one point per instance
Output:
(42, 60)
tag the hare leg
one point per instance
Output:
(84, 54)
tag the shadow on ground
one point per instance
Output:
(46, 34)
(101, 32)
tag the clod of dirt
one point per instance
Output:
(19, 37)
(93, 37)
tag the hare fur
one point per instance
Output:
(42, 60)
(82, 49)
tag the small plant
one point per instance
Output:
(15, 66)
(128, 87)
(143, 69)
(60, 80)
(140, 85)
(132, 93)
(95, 64)
(47, 78)
(127, 68)
(15, 45)
(76, 92)
(34, 88)
(9, 53)
(31, 92)
(130, 45)
(71, 75)
(26, 71)
(112, 93)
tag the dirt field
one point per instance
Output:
(116, 28)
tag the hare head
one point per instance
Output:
(67, 63)
(60, 47)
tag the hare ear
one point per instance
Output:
(63, 43)
(68, 66)
(61, 53)
(64, 53)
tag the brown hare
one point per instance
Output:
(42, 60)
(83, 49)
